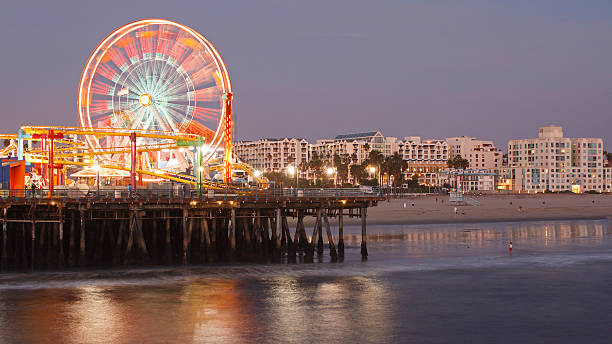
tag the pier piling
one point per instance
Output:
(109, 232)
(364, 245)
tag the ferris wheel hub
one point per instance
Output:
(145, 99)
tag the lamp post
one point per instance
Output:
(331, 171)
(372, 171)
(200, 170)
(96, 168)
(292, 170)
(257, 174)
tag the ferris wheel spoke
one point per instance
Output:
(174, 116)
(132, 86)
(166, 123)
(170, 77)
(178, 88)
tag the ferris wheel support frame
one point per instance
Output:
(227, 99)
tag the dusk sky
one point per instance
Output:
(314, 69)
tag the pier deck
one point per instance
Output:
(174, 227)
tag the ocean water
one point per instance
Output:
(420, 284)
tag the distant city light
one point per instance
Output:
(291, 170)
(330, 170)
(257, 173)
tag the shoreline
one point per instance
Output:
(435, 209)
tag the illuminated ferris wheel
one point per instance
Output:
(157, 75)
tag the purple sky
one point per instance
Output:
(491, 69)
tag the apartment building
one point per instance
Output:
(424, 158)
(552, 162)
(607, 179)
(468, 180)
(481, 154)
(272, 155)
(357, 146)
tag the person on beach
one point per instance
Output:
(455, 210)
(510, 247)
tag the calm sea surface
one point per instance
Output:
(421, 284)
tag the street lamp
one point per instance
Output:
(292, 170)
(330, 171)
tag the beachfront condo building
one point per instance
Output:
(354, 147)
(481, 154)
(468, 180)
(272, 155)
(552, 162)
(424, 158)
(607, 178)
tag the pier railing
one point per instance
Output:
(190, 194)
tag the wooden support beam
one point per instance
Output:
(4, 258)
(233, 228)
(247, 233)
(141, 244)
(60, 234)
(117, 251)
(330, 238)
(320, 232)
(186, 233)
(364, 245)
(167, 242)
(33, 246)
(257, 229)
(278, 228)
(82, 261)
(128, 256)
(204, 239)
(71, 239)
(340, 234)
(153, 246)
(287, 232)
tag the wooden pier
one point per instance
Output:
(55, 233)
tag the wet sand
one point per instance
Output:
(491, 208)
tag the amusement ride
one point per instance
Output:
(155, 104)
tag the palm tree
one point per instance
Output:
(357, 172)
(316, 165)
(394, 166)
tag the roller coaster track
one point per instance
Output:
(77, 149)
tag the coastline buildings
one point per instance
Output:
(482, 154)
(552, 162)
(272, 155)
(468, 180)
(424, 158)
(355, 147)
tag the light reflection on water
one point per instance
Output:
(350, 301)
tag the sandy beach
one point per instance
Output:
(491, 208)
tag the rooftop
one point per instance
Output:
(356, 135)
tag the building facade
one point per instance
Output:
(468, 180)
(552, 162)
(424, 158)
(273, 155)
(481, 154)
